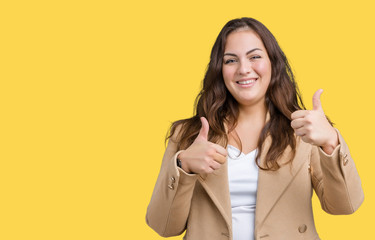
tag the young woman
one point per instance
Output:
(245, 165)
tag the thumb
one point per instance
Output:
(317, 105)
(203, 133)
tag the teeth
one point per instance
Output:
(246, 82)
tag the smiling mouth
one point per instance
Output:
(246, 82)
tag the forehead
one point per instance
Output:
(243, 41)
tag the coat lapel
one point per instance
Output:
(272, 184)
(217, 187)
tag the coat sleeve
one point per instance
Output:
(336, 180)
(168, 210)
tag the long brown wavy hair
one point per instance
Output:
(217, 105)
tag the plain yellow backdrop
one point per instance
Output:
(90, 88)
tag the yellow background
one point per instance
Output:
(89, 89)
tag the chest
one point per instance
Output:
(242, 178)
(245, 138)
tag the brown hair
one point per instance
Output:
(217, 105)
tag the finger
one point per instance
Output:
(207, 169)
(203, 133)
(300, 132)
(306, 139)
(215, 165)
(317, 105)
(219, 158)
(298, 123)
(219, 149)
(298, 114)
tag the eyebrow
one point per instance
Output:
(252, 50)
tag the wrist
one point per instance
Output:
(332, 143)
(181, 163)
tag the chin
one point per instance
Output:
(250, 101)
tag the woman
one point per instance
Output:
(245, 165)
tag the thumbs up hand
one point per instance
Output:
(313, 126)
(202, 156)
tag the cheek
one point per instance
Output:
(228, 74)
(263, 68)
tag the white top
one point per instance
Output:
(243, 180)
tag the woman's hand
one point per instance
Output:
(202, 156)
(313, 126)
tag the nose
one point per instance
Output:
(245, 67)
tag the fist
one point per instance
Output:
(202, 156)
(313, 127)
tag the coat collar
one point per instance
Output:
(271, 185)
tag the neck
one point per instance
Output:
(252, 114)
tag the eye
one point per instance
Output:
(229, 61)
(254, 57)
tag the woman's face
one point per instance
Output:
(246, 67)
